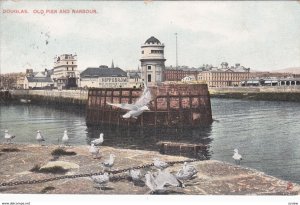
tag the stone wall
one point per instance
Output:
(75, 97)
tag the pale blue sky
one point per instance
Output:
(261, 35)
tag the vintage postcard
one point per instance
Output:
(190, 100)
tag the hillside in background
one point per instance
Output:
(295, 70)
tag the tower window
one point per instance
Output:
(67, 62)
(149, 78)
(142, 52)
(149, 67)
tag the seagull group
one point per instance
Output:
(157, 181)
(39, 137)
(136, 109)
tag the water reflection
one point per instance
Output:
(147, 138)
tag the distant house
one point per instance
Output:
(103, 77)
(37, 82)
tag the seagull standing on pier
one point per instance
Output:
(101, 180)
(109, 162)
(160, 164)
(163, 178)
(8, 137)
(187, 172)
(237, 157)
(135, 174)
(39, 137)
(65, 138)
(137, 108)
(98, 141)
(94, 151)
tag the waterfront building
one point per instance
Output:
(152, 61)
(224, 76)
(103, 77)
(177, 74)
(38, 82)
(65, 73)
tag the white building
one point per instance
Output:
(37, 82)
(103, 77)
(65, 67)
(152, 61)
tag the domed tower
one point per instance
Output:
(152, 61)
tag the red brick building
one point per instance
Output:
(177, 75)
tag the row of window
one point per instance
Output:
(155, 51)
(68, 62)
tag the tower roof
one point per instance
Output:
(152, 40)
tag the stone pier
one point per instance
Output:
(20, 162)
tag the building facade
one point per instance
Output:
(38, 82)
(65, 67)
(103, 77)
(179, 74)
(224, 77)
(152, 61)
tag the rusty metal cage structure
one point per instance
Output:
(172, 105)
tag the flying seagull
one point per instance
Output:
(39, 137)
(98, 141)
(137, 108)
(101, 180)
(8, 137)
(237, 157)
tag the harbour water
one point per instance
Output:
(267, 134)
